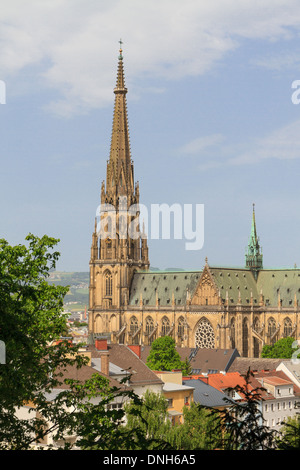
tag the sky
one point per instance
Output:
(214, 118)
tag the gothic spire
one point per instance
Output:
(120, 177)
(254, 258)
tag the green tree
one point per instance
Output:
(150, 418)
(31, 326)
(283, 348)
(163, 356)
(290, 434)
(201, 429)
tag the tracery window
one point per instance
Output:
(165, 326)
(232, 333)
(287, 327)
(245, 337)
(149, 325)
(271, 329)
(256, 327)
(108, 283)
(180, 328)
(204, 336)
(133, 328)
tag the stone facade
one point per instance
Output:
(215, 307)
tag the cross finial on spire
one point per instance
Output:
(120, 42)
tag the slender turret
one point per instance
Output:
(254, 257)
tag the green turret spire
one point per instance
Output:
(254, 257)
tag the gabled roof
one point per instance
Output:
(212, 360)
(202, 360)
(242, 364)
(207, 395)
(82, 374)
(163, 285)
(124, 359)
(277, 378)
(238, 283)
(230, 380)
(224, 381)
(292, 369)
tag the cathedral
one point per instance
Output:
(214, 307)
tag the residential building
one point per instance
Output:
(177, 393)
(283, 398)
(279, 396)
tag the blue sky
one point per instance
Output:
(210, 115)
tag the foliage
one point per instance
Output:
(201, 429)
(150, 417)
(36, 359)
(163, 356)
(290, 435)
(243, 421)
(283, 348)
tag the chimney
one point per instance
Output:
(105, 362)
(136, 348)
(101, 344)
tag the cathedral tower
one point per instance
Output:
(118, 247)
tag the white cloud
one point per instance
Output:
(282, 144)
(200, 144)
(169, 39)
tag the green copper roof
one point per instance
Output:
(163, 285)
(279, 282)
(238, 284)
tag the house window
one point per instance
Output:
(170, 402)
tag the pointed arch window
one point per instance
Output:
(165, 326)
(180, 328)
(287, 328)
(149, 325)
(245, 339)
(232, 333)
(134, 326)
(108, 283)
(272, 330)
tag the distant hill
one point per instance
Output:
(77, 298)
